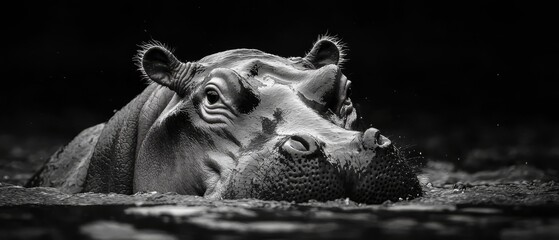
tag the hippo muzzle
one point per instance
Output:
(299, 168)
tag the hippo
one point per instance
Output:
(237, 124)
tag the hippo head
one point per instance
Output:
(247, 124)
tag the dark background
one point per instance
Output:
(447, 80)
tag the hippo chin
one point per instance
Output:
(237, 124)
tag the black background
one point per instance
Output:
(436, 76)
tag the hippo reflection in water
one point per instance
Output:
(237, 124)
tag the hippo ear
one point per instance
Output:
(158, 64)
(325, 51)
(162, 67)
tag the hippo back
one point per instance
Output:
(101, 158)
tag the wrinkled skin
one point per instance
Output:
(237, 124)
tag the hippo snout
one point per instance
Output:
(366, 168)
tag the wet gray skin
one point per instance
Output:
(237, 124)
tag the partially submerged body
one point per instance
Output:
(237, 124)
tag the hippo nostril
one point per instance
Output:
(373, 139)
(384, 141)
(300, 144)
(378, 138)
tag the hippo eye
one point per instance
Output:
(212, 96)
